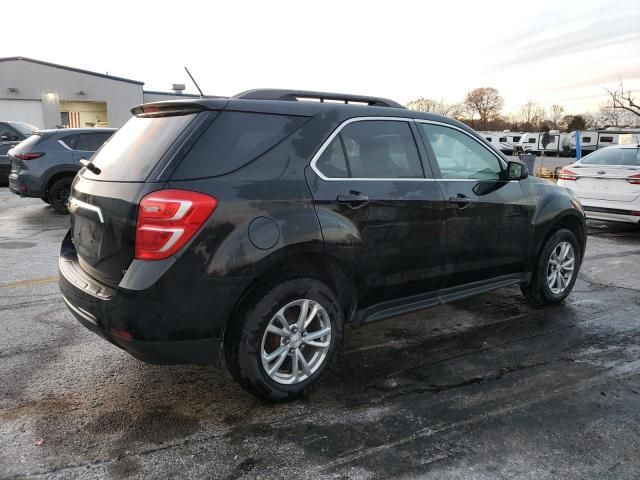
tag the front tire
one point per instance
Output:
(284, 339)
(556, 270)
(59, 195)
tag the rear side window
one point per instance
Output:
(516, 139)
(234, 139)
(372, 149)
(8, 134)
(134, 150)
(606, 139)
(586, 139)
(614, 156)
(532, 140)
(91, 142)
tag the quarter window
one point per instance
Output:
(460, 156)
(333, 162)
(372, 149)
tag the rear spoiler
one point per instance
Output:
(178, 107)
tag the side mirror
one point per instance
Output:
(517, 171)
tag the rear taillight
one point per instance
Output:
(29, 155)
(634, 179)
(567, 175)
(167, 219)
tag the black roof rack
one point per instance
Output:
(294, 95)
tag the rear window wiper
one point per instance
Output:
(90, 166)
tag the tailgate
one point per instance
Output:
(103, 224)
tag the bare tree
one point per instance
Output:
(624, 100)
(531, 113)
(555, 114)
(435, 106)
(610, 116)
(486, 102)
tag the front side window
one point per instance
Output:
(459, 156)
(586, 139)
(516, 139)
(613, 156)
(532, 140)
(606, 139)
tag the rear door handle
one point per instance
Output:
(353, 199)
(462, 201)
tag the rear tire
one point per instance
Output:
(552, 281)
(58, 195)
(248, 344)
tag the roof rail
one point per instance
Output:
(294, 95)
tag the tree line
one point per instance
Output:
(482, 109)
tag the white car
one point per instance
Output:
(607, 182)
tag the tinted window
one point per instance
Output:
(516, 139)
(24, 128)
(488, 139)
(532, 140)
(503, 139)
(332, 163)
(233, 140)
(606, 139)
(69, 141)
(586, 139)
(133, 151)
(91, 142)
(381, 149)
(613, 156)
(8, 134)
(460, 156)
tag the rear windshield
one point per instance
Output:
(233, 140)
(613, 156)
(27, 144)
(134, 150)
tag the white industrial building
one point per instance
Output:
(48, 95)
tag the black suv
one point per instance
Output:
(263, 223)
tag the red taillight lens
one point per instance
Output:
(634, 179)
(29, 155)
(567, 175)
(167, 219)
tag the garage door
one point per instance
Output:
(29, 111)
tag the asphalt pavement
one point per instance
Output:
(484, 388)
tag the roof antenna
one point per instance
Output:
(194, 81)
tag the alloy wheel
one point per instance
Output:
(296, 342)
(560, 267)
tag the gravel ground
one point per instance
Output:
(484, 388)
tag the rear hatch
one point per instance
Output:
(608, 174)
(25, 151)
(104, 200)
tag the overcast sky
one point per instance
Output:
(549, 51)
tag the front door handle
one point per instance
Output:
(462, 201)
(353, 199)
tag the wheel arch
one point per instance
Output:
(312, 264)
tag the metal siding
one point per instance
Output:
(34, 81)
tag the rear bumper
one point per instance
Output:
(23, 186)
(199, 352)
(167, 323)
